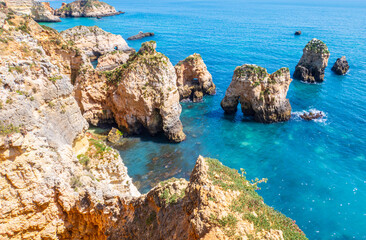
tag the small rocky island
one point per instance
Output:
(341, 66)
(260, 94)
(86, 8)
(193, 79)
(141, 35)
(313, 62)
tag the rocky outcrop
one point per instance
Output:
(86, 8)
(114, 135)
(113, 59)
(50, 170)
(313, 62)
(260, 94)
(141, 94)
(312, 115)
(216, 203)
(341, 66)
(141, 35)
(94, 41)
(39, 11)
(193, 79)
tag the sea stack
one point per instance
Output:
(86, 8)
(193, 79)
(147, 95)
(260, 94)
(140, 94)
(341, 66)
(313, 62)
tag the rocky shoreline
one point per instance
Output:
(59, 181)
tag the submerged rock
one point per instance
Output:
(297, 33)
(141, 35)
(341, 66)
(86, 8)
(313, 62)
(308, 116)
(260, 94)
(193, 79)
(94, 41)
(114, 135)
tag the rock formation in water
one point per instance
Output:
(313, 62)
(86, 8)
(141, 35)
(39, 11)
(193, 79)
(260, 94)
(146, 95)
(140, 94)
(94, 41)
(113, 59)
(341, 66)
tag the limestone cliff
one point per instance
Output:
(260, 94)
(86, 8)
(94, 41)
(217, 203)
(193, 79)
(140, 94)
(113, 59)
(39, 11)
(313, 62)
(47, 163)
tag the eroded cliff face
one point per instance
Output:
(47, 163)
(113, 59)
(313, 62)
(94, 41)
(86, 8)
(193, 79)
(39, 11)
(260, 94)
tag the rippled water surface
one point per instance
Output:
(316, 170)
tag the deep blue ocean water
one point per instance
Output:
(316, 170)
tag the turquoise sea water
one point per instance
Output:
(316, 170)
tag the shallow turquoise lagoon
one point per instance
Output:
(316, 170)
